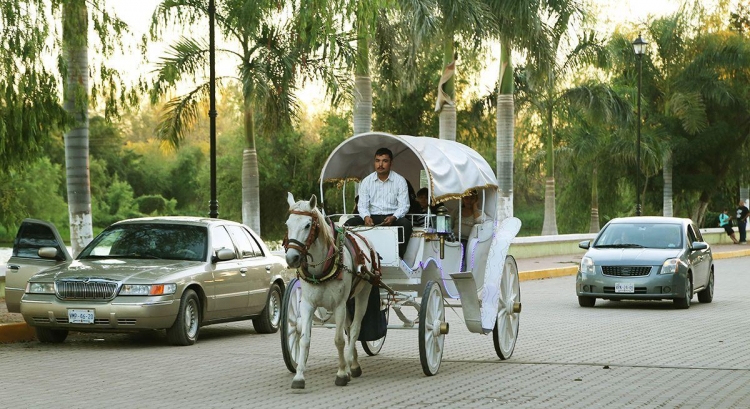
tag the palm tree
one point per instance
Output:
(598, 117)
(271, 53)
(521, 27)
(541, 89)
(467, 20)
(75, 49)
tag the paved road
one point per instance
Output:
(616, 355)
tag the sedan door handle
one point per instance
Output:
(243, 270)
(268, 268)
(14, 267)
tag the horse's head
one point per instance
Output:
(308, 235)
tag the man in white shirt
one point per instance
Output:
(384, 199)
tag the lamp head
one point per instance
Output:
(639, 46)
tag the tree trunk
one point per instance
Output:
(699, 212)
(447, 109)
(250, 190)
(250, 174)
(744, 194)
(594, 223)
(362, 105)
(667, 164)
(362, 82)
(504, 132)
(550, 219)
(75, 50)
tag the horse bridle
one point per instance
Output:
(303, 248)
(330, 268)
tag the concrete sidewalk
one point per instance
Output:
(528, 269)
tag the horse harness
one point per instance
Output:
(334, 264)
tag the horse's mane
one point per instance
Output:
(326, 233)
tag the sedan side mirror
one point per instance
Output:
(224, 255)
(585, 244)
(48, 252)
(699, 245)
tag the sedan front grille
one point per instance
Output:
(86, 289)
(626, 271)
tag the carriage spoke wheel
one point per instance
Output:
(290, 331)
(373, 348)
(505, 332)
(431, 321)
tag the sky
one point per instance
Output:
(137, 14)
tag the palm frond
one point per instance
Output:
(180, 114)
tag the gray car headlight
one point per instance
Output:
(587, 265)
(40, 288)
(671, 266)
(148, 289)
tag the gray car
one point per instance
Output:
(646, 258)
(156, 273)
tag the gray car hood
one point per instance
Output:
(637, 257)
(124, 270)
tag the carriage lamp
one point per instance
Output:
(443, 227)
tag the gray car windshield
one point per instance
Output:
(149, 241)
(641, 235)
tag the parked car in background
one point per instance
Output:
(646, 258)
(156, 273)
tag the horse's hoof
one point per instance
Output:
(299, 384)
(357, 372)
(342, 381)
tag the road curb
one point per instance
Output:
(16, 332)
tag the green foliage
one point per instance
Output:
(153, 205)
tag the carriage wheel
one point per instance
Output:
(432, 328)
(290, 332)
(373, 348)
(505, 332)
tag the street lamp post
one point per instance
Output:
(213, 206)
(639, 46)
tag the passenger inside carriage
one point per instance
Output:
(384, 199)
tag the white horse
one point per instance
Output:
(326, 271)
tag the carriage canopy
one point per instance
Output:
(451, 168)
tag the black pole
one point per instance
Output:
(638, 147)
(213, 204)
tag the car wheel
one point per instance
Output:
(584, 301)
(185, 329)
(268, 321)
(707, 294)
(684, 302)
(51, 336)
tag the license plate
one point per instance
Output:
(624, 288)
(81, 316)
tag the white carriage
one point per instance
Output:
(436, 265)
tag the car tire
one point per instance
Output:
(268, 321)
(684, 302)
(51, 336)
(585, 301)
(706, 295)
(185, 329)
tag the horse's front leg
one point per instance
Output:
(305, 326)
(342, 375)
(360, 305)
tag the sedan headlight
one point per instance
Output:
(587, 265)
(148, 289)
(40, 288)
(671, 266)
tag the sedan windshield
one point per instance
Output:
(641, 235)
(149, 241)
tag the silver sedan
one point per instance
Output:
(646, 258)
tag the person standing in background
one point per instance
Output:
(725, 222)
(741, 217)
